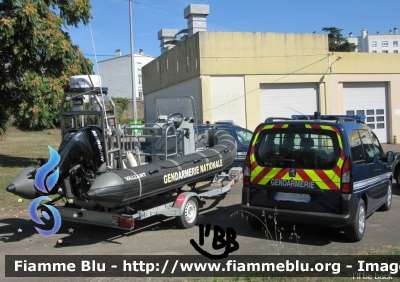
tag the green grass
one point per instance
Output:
(21, 149)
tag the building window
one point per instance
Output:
(395, 43)
(139, 79)
(385, 44)
(396, 51)
(373, 44)
(374, 51)
(385, 51)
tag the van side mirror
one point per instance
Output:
(389, 156)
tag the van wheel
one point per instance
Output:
(397, 176)
(190, 213)
(355, 231)
(255, 222)
(386, 206)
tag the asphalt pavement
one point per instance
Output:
(161, 236)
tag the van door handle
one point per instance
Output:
(378, 169)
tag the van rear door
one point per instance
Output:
(296, 166)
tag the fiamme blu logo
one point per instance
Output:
(51, 180)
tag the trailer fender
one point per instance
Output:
(182, 199)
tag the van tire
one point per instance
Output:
(388, 203)
(356, 230)
(397, 176)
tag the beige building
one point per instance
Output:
(249, 76)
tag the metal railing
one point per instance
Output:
(157, 133)
(111, 134)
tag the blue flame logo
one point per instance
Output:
(57, 218)
(45, 169)
(40, 185)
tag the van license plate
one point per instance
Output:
(292, 197)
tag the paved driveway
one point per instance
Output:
(161, 236)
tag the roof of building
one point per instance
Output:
(136, 54)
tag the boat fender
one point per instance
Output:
(131, 159)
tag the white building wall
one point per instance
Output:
(116, 75)
(356, 40)
(227, 99)
(374, 43)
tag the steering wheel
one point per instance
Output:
(176, 118)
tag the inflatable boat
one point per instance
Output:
(109, 165)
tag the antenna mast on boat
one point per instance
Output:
(133, 69)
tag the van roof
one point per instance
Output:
(318, 117)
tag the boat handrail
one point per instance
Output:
(112, 138)
(128, 139)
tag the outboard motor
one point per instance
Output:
(85, 147)
(82, 157)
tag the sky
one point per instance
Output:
(110, 23)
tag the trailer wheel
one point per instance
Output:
(190, 213)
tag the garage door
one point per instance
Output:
(285, 100)
(369, 99)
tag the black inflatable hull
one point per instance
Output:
(129, 185)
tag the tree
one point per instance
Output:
(337, 42)
(37, 58)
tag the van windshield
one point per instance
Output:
(297, 148)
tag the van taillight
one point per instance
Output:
(347, 187)
(246, 171)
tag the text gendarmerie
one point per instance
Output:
(175, 176)
(292, 183)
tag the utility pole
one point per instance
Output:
(133, 67)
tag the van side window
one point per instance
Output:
(369, 149)
(356, 147)
(378, 148)
(244, 136)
